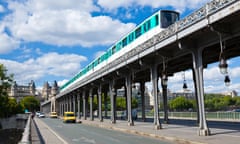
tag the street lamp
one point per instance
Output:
(222, 64)
(184, 82)
(164, 74)
(164, 78)
(227, 81)
(222, 61)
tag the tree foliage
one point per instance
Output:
(180, 103)
(5, 83)
(30, 103)
(214, 102)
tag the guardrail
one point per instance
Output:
(27, 131)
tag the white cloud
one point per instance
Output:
(177, 4)
(1, 9)
(62, 82)
(64, 23)
(51, 64)
(7, 43)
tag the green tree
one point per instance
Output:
(121, 103)
(30, 103)
(5, 83)
(236, 101)
(180, 103)
(134, 103)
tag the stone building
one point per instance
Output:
(19, 91)
(49, 94)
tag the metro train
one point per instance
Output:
(145, 30)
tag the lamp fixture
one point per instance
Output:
(184, 82)
(164, 74)
(227, 81)
(164, 78)
(222, 61)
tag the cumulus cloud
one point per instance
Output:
(50, 64)
(1, 9)
(7, 44)
(65, 23)
(177, 4)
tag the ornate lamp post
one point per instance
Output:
(222, 61)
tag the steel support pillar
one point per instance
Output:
(79, 105)
(91, 104)
(67, 106)
(105, 104)
(70, 103)
(128, 83)
(64, 106)
(126, 102)
(113, 101)
(154, 79)
(165, 102)
(142, 89)
(198, 70)
(196, 97)
(100, 103)
(84, 106)
(74, 104)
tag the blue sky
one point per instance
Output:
(47, 40)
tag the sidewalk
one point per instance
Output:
(42, 134)
(175, 133)
(180, 134)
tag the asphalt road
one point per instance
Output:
(83, 134)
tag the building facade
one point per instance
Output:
(20, 91)
(49, 93)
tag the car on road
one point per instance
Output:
(69, 117)
(236, 110)
(41, 115)
(53, 115)
(37, 113)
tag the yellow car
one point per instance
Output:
(69, 117)
(53, 115)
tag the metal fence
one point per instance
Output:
(220, 116)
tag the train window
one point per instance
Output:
(114, 50)
(118, 46)
(146, 26)
(98, 61)
(138, 32)
(124, 42)
(156, 20)
(131, 37)
(168, 18)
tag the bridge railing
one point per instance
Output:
(219, 116)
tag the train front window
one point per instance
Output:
(168, 18)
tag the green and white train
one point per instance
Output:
(147, 29)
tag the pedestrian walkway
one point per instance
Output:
(175, 133)
(181, 134)
(42, 134)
